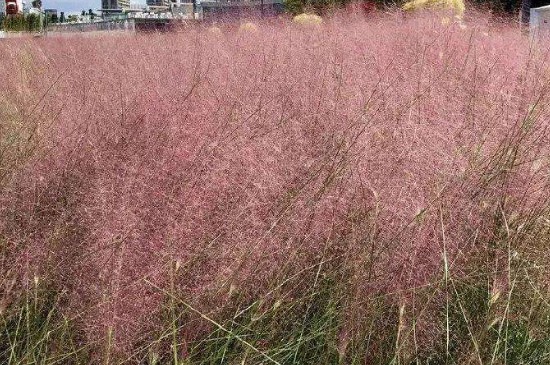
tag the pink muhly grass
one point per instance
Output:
(244, 159)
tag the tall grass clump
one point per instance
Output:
(360, 192)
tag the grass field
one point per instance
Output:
(355, 192)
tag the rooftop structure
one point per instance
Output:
(115, 5)
(168, 4)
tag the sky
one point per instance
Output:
(76, 5)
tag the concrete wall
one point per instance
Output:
(539, 22)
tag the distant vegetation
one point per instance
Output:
(509, 7)
(345, 190)
(28, 23)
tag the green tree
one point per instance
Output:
(294, 6)
(32, 23)
(318, 6)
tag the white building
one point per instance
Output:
(158, 2)
(115, 4)
(169, 3)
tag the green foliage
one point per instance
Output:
(525, 347)
(294, 6)
(317, 6)
(20, 23)
(500, 6)
(51, 19)
(299, 6)
(304, 331)
(32, 331)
